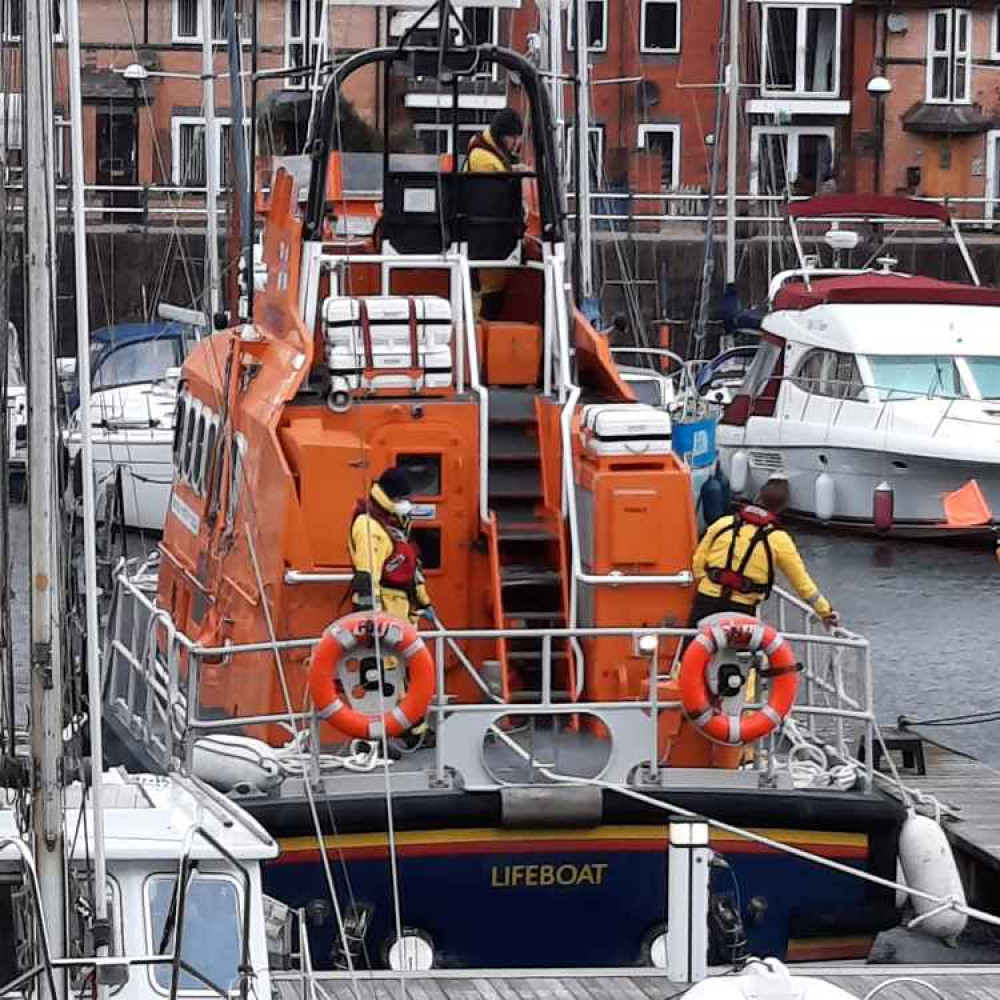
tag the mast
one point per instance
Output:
(87, 459)
(732, 150)
(211, 164)
(555, 67)
(582, 134)
(46, 653)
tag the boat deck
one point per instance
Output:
(970, 792)
(960, 982)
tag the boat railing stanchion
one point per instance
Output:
(547, 670)
(649, 646)
(439, 704)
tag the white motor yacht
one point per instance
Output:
(876, 393)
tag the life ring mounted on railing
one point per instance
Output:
(339, 668)
(702, 705)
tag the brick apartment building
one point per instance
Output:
(807, 122)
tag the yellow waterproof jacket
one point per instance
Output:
(370, 546)
(714, 552)
(485, 158)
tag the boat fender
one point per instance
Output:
(713, 499)
(231, 763)
(826, 496)
(766, 979)
(551, 806)
(739, 469)
(929, 865)
(883, 502)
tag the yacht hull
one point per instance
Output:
(918, 483)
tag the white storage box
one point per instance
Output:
(625, 429)
(388, 342)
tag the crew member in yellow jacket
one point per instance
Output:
(387, 570)
(493, 151)
(735, 564)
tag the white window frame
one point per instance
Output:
(571, 24)
(801, 31)
(949, 13)
(176, 122)
(296, 35)
(793, 132)
(493, 73)
(7, 35)
(571, 152)
(995, 34)
(474, 129)
(147, 907)
(991, 190)
(643, 47)
(675, 131)
(195, 39)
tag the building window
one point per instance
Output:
(787, 160)
(995, 35)
(596, 154)
(665, 140)
(597, 26)
(188, 142)
(437, 139)
(948, 62)
(304, 36)
(801, 50)
(12, 13)
(482, 25)
(660, 26)
(187, 21)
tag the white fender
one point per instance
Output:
(826, 496)
(766, 979)
(739, 468)
(929, 865)
(227, 762)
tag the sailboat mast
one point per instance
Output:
(212, 279)
(46, 654)
(582, 151)
(732, 146)
(87, 459)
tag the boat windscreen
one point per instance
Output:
(138, 361)
(986, 375)
(910, 377)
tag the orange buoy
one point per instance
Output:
(745, 634)
(354, 637)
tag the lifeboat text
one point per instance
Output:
(509, 876)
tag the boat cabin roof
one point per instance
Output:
(876, 288)
(148, 817)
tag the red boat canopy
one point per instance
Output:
(883, 288)
(868, 205)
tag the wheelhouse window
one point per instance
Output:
(948, 63)
(210, 943)
(660, 26)
(791, 160)
(597, 26)
(912, 377)
(305, 31)
(801, 50)
(187, 21)
(830, 373)
(665, 140)
(137, 362)
(985, 373)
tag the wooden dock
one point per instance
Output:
(958, 982)
(970, 791)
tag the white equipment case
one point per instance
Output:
(388, 342)
(625, 429)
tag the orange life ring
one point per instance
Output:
(353, 637)
(750, 635)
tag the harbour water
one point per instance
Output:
(930, 610)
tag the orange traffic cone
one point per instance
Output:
(966, 507)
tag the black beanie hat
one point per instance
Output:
(506, 122)
(395, 483)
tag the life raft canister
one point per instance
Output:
(354, 637)
(746, 635)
